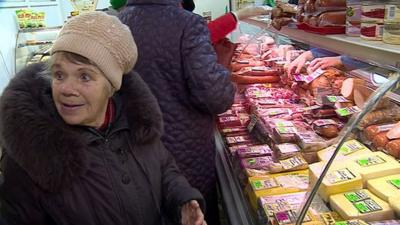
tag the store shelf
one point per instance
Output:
(373, 52)
(236, 205)
(38, 29)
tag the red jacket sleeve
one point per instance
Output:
(221, 27)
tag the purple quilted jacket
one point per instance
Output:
(178, 62)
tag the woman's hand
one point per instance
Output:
(323, 63)
(192, 214)
(297, 64)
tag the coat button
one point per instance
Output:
(126, 179)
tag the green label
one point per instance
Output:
(347, 111)
(341, 223)
(356, 196)
(252, 161)
(350, 147)
(370, 161)
(395, 182)
(367, 206)
(264, 184)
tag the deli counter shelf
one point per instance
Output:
(235, 203)
(373, 52)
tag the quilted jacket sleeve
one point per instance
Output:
(209, 84)
(176, 189)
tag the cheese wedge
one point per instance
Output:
(374, 165)
(361, 204)
(385, 187)
(280, 183)
(395, 204)
(340, 178)
(349, 148)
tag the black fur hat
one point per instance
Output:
(188, 5)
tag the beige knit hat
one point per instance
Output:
(102, 39)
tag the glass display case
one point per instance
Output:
(346, 174)
(33, 45)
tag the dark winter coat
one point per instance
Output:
(55, 173)
(178, 62)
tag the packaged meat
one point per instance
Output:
(381, 116)
(371, 131)
(229, 122)
(372, 12)
(349, 85)
(337, 18)
(394, 132)
(239, 140)
(256, 162)
(258, 71)
(286, 150)
(372, 31)
(241, 79)
(254, 151)
(310, 142)
(393, 148)
(380, 140)
(327, 128)
(392, 12)
(391, 33)
(325, 112)
(284, 134)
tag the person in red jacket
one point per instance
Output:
(227, 23)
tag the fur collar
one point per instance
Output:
(50, 151)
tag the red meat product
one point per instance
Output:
(373, 12)
(332, 19)
(239, 64)
(241, 79)
(370, 31)
(313, 21)
(380, 140)
(373, 130)
(330, 3)
(381, 116)
(394, 132)
(328, 131)
(393, 148)
(259, 71)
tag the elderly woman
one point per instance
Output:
(82, 142)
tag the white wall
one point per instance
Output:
(217, 7)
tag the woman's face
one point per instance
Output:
(80, 92)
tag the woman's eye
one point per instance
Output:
(85, 77)
(58, 75)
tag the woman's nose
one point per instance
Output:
(68, 88)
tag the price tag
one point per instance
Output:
(350, 147)
(266, 183)
(370, 161)
(258, 68)
(356, 196)
(334, 99)
(292, 162)
(286, 130)
(283, 123)
(367, 206)
(395, 182)
(339, 176)
(386, 127)
(288, 148)
(308, 79)
(347, 111)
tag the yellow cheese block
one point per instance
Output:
(374, 165)
(349, 148)
(385, 187)
(361, 204)
(340, 178)
(394, 202)
(280, 183)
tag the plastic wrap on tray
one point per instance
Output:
(286, 150)
(254, 151)
(327, 128)
(234, 131)
(229, 121)
(239, 140)
(310, 141)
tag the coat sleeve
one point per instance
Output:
(221, 27)
(209, 84)
(19, 202)
(176, 189)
